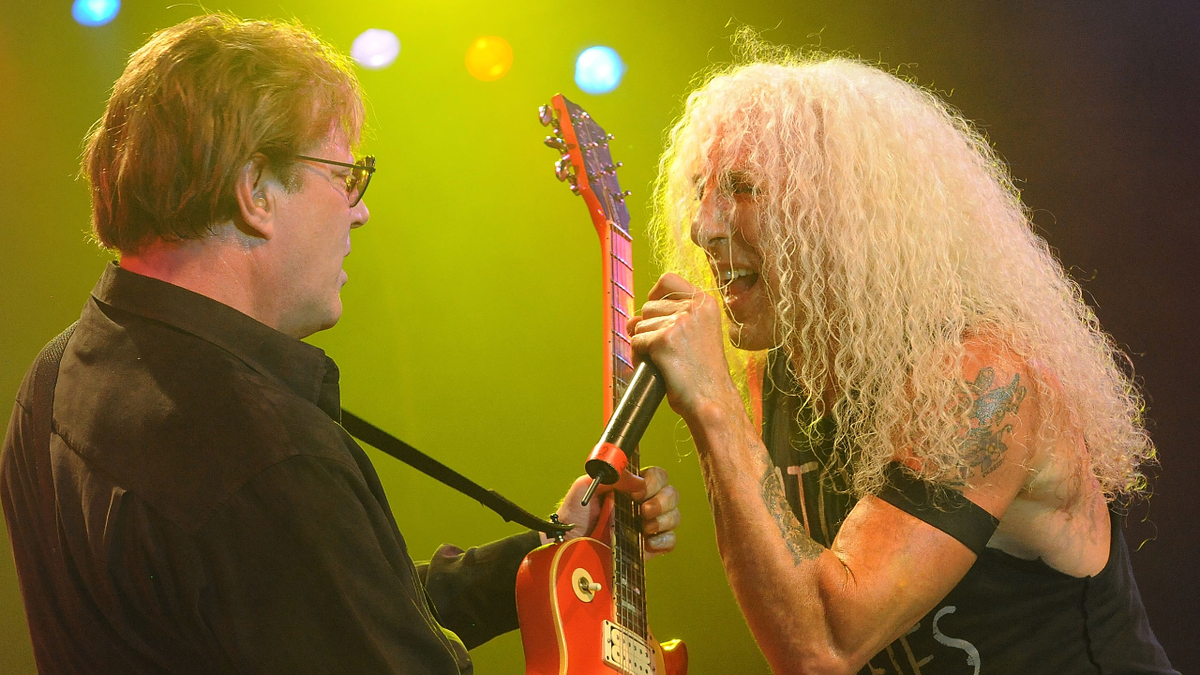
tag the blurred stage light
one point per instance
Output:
(375, 48)
(598, 70)
(489, 58)
(95, 12)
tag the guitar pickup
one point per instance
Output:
(625, 651)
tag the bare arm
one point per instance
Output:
(812, 609)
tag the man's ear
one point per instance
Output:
(256, 190)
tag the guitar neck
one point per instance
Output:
(587, 166)
(629, 578)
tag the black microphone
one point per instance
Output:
(625, 428)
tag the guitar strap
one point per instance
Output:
(46, 376)
(387, 443)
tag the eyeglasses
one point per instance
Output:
(357, 180)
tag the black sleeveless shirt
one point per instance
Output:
(1007, 615)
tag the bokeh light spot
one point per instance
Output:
(95, 12)
(598, 70)
(489, 58)
(375, 48)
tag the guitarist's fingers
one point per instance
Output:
(660, 512)
(632, 485)
(660, 496)
(665, 523)
(659, 544)
(571, 511)
(656, 479)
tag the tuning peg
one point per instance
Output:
(545, 115)
(574, 186)
(620, 196)
(562, 169)
(610, 137)
(556, 143)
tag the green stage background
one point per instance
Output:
(472, 314)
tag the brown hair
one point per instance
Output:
(194, 104)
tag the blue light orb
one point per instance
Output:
(598, 70)
(95, 12)
(375, 48)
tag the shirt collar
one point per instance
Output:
(303, 368)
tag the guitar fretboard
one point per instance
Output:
(622, 309)
(629, 578)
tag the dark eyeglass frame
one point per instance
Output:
(361, 175)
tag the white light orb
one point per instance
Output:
(375, 48)
(598, 70)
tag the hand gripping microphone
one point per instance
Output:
(625, 428)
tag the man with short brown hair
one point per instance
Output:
(179, 493)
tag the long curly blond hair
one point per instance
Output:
(893, 232)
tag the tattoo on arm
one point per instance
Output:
(798, 543)
(981, 438)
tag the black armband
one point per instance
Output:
(944, 508)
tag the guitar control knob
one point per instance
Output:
(545, 115)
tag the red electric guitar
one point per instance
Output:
(582, 603)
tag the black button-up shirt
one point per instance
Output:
(191, 505)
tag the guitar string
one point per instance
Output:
(631, 605)
(620, 544)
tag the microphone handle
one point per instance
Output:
(636, 409)
(625, 428)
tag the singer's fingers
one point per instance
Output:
(666, 307)
(680, 332)
(650, 324)
(655, 316)
(672, 286)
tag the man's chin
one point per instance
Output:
(327, 320)
(335, 314)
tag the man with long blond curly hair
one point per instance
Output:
(945, 429)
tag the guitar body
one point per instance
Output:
(563, 627)
(582, 603)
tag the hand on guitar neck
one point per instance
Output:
(658, 498)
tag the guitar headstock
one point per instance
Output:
(588, 168)
(585, 163)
